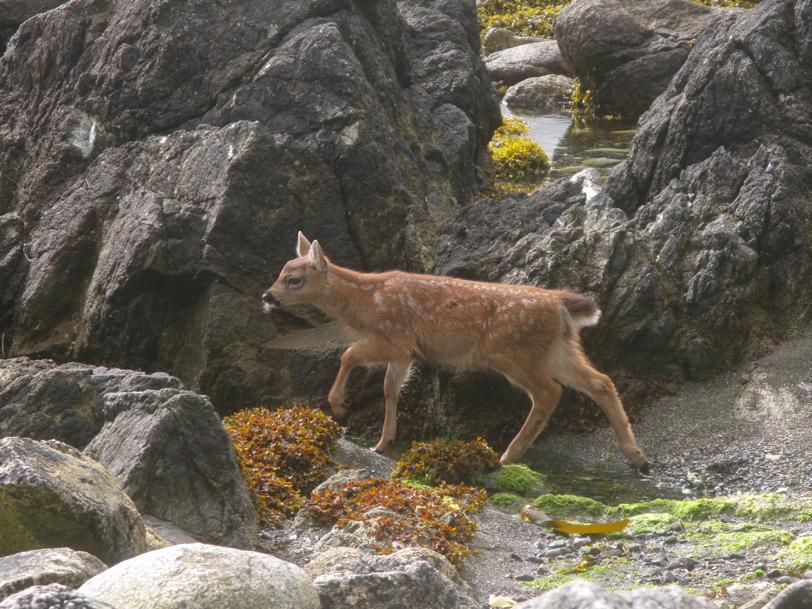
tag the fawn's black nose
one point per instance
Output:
(269, 298)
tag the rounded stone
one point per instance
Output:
(204, 577)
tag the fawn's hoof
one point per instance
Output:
(645, 469)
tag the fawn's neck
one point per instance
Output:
(348, 296)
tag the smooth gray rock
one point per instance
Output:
(794, 596)
(171, 454)
(358, 562)
(519, 63)
(585, 595)
(627, 51)
(498, 38)
(205, 577)
(53, 596)
(46, 566)
(348, 578)
(539, 94)
(51, 495)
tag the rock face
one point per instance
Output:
(698, 251)
(14, 12)
(208, 577)
(626, 51)
(165, 446)
(48, 566)
(151, 181)
(53, 496)
(718, 181)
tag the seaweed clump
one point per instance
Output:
(525, 18)
(519, 163)
(437, 519)
(283, 455)
(425, 502)
(435, 463)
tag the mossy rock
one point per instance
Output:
(507, 502)
(568, 506)
(516, 480)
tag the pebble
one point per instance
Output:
(808, 575)
(669, 578)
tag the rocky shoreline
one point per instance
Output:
(156, 161)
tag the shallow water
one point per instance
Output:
(601, 144)
(612, 481)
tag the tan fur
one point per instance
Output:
(528, 334)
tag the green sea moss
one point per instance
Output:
(518, 480)
(568, 506)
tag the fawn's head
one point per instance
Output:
(302, 279)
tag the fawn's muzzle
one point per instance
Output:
(269, 298)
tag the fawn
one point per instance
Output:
(528, 334)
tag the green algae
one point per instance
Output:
(517, 480)
(798, 554)
(569, 506)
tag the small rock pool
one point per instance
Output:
(601, 144)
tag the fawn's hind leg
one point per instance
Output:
(582, 376)
(545, 393)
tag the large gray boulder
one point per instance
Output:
(171, 454)
(540, 94)
(718, 182)
(151, 181)
(165, 446)
(626, 51)
(53, 496)
(45, 401)
(205, 577)
(795, 596)
(46, 566)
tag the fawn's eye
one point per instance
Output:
(294, 281)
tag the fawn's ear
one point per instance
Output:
(316, 257)
(303, 246)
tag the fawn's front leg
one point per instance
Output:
(368, 353)
(396, 374)
(349, 360)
